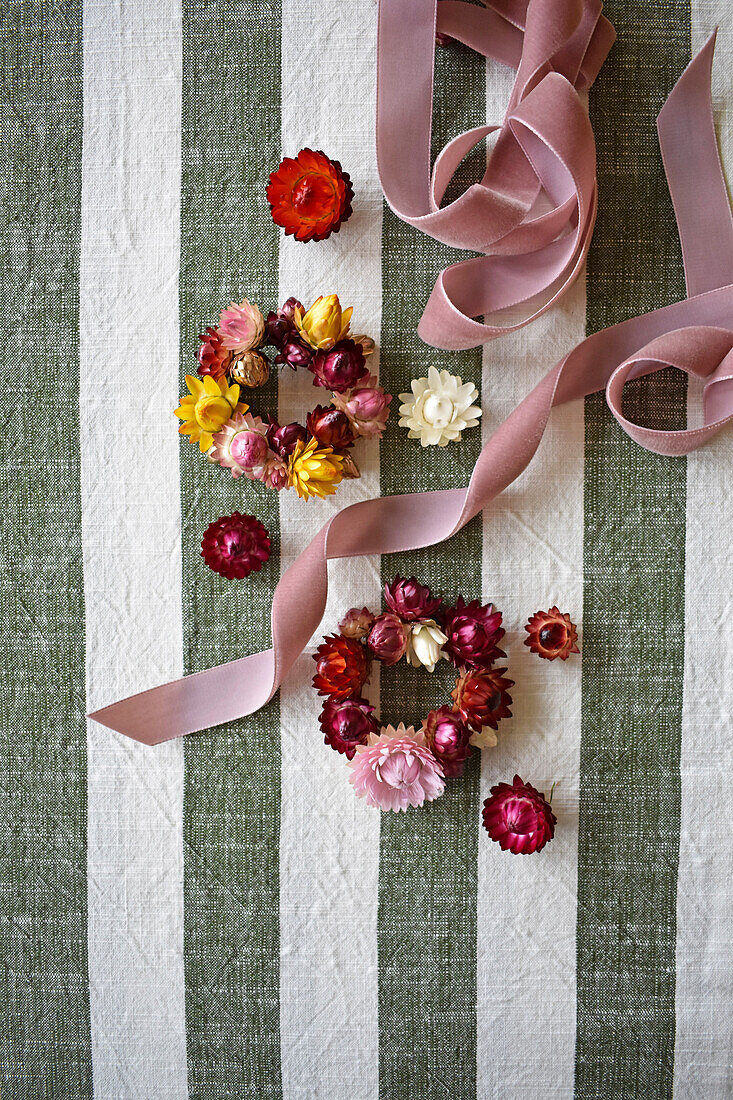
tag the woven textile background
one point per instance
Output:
(219, 917)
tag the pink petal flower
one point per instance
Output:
(396, 769)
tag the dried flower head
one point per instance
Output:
(439, 408)
(396, 769)
(519, 817)
(310, 196)
(552, 634)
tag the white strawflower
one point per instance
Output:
(439, 408)
(425, 645)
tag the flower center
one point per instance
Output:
(438, 410)
(311, 194)
(248, 448)
(553, 636)
(212, 412)
(520, 816)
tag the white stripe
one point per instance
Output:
(532, 559)
(131, 538)
(704, 993)
(329, 839)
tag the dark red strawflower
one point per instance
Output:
(295, 353)
(282, 439)
(448, 736)
(213, 357)
(280, 324)
(474, 631)
(340, 368)
(235, 546)
(310, 196)
(347, 723)
(519, 817)
(410, 600)
(388, 638)
(342, 667)
(330, 426)
(552, 634)
(482, 697)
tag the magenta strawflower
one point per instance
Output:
(235, 546)
(410, 600)
(519, 817)
(282, 439)
(366, 405)
(279, 324)
(474, 631)
(396, 769)
(340, 368)
(347, 723)
(447, 736)
(387, 639)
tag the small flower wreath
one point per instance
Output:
(312, 459)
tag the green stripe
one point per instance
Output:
(633, 597)
(229, 249)
(428, 856)
(46, 1045)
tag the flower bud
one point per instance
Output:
(388, 638)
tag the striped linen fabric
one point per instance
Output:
(219, 917)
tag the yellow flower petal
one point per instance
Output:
(212, 387)
(195, 386)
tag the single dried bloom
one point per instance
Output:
(241, 326)
(482, 696)
(213, 357)
(241, 446)
(347, 723)
(324, 324)
(295, 353)
(349, 468)
(280, 324)
(447, 736)
(357, 623)
(366, 405)
(552, 634)
(340, 368)
(425, 644)
(310, 196)
(342, 667)
(439, 408)
(396, 769)
(410, 600)
(473, 632)
(235, 546)
(519, 817)
(314, 472)
(330, 426)
(206, 408)
(282, 439)
(387, 639)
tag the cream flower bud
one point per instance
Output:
(439, 408)
(425, 644)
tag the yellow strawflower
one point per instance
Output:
(207, 409)
(313, 472)
(324, 324)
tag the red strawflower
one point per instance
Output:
(330, 426)
(310, 196)
(448, 736)
(388, 638)
(283, 439)
(347, 723)
(519, 817)
(342, 667)
(213, 357)
(235, 546)
(474, 631)
(551, 634)
(482, 697)
(340, 368)
(410, 600)
(280, 324)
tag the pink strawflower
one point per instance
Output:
(410, 600)
(396, 770)
(388, 638)
(474, 631)
(242, 326)
(347, 723)
(449, 739)
(357, 622)
(241, 446)
(235, 546)
(366, 405)
(519, 817)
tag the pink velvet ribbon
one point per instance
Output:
(694, 335)
(533, 211)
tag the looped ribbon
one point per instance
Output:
(534, 210)
(694, 335)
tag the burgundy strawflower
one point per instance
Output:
(388, 638)
(295, 353)
(235, 546)
(410, 600)
(279, 325)
(342, 667)
(282, 439)
(552, 634)
(473, 631)
(347, 723)
(340, 368)
(357, 622)
(330, 426)
(448, 736)
(482, 696)
(519, 817)
(213, 357)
